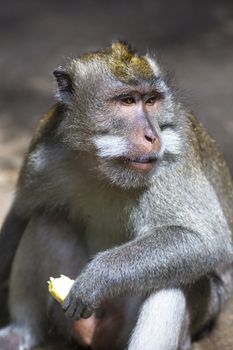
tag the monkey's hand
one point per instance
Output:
(88, 291)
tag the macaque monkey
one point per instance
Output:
(124, 191)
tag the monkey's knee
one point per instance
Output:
(162, 323)
(205, 300)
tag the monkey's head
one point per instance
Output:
(120, 114)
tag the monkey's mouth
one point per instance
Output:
(143, 163)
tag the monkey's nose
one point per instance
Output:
(151, 140)
(147, 140)
(150, 135)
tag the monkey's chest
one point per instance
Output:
(104, 230)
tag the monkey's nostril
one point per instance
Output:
(150, 135)
(149, 139)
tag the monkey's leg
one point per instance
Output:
(170, 317)
(162, 323)
(205, 300)
(49, 247)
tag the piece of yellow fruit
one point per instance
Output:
(60, 287)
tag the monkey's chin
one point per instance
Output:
(127, 175)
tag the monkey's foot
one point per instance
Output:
(10, 341)
(15, 338)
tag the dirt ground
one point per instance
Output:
(193, 39)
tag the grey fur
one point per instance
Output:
(167, 229)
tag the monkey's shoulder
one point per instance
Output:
(38, 182)
(42, 146)
(47, 125)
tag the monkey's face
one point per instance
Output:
(127, 142)
(136, 134)
(123, 115)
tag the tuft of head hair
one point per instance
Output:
(127, 65)
(119, 60)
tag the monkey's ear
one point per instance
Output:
(65, 85)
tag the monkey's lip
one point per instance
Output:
(142, 163)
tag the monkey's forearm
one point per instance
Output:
(170, 257)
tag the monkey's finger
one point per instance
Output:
(87, 312)
(100, 312)
(82, 311)
(71, 313)
(72, 309)
(66, 303)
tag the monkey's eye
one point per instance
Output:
(151, 100)
(127, 100)
(167, 126)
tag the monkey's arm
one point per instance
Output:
(27, 198)
(171, 257)
(10, 235)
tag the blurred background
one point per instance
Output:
(193, 39)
